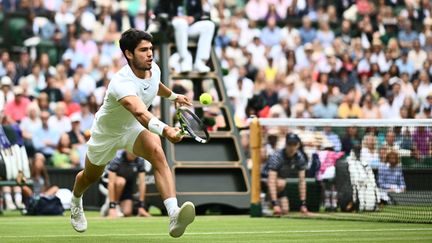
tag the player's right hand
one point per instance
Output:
(171, 133)
(182, 100)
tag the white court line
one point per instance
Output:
(221, 233)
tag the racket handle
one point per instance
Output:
(181, 133)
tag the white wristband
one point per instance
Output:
(173, 96)
(156, 126)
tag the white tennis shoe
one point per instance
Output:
(201, 67)
(181, 219)
(10, 205)
(78, 219)
(186, 65)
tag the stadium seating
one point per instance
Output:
(14, 24)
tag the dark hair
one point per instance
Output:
(131, 38)
(292, 137)
(324, 98)
(256, 103)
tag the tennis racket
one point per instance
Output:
(191, 124)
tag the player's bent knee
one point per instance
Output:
(91, 178)
(157, 155)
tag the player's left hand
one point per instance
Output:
(143, 213)
(182, 100)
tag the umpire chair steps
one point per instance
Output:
(212, 175)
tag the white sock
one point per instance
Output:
(8, 197)
(18, 197)
(171, 205)
(334, 199)
(327, 198)
(76, 200)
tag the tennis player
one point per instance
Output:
(124, 122)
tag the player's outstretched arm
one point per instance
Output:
(135, 105)
(165, 92)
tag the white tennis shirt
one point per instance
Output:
(112, 117)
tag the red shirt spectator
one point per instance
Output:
(17, 108)
(364, 7)
(71, 106)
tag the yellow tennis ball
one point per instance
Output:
(205, 99)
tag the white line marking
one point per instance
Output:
(220, 233)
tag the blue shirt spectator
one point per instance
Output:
(271, 34)
(45, 139)
(405, 65)
(222, 39)
(325, 35)
(407, 35)
(307, 32)
(325, 109)
(333, 138)
(307, 35)
(75, 57)
(390, 176)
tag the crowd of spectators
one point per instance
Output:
(352, 59)
(331, 59)
(54, 100)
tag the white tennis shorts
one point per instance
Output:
(102, 146)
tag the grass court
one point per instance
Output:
(209, 229)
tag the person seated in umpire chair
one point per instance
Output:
(189, 20)
(119, 183)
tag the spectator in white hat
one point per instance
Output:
(6, 93)
(76, 135)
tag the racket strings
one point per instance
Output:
(193, 124)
